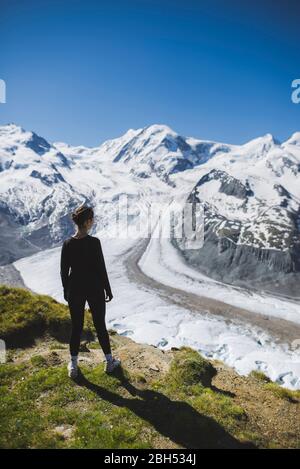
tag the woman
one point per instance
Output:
(88, 280)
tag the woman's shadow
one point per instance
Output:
(175, 420)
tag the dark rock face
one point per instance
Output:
(38, 144)
(6, 165)
(246, 266)
(288, 163)
(282, 191)
(13, 244)
(236, 251)
(63, 160)
(48, 179)
(229, 184)
(181, 165)
(124, 151)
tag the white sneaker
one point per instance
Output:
(110, 365)
(72, 369)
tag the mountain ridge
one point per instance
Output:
(251, 193)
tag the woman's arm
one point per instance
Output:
(103, 268)
(64, 268)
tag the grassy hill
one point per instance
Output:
(172, 399)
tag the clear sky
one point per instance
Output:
(85, 71)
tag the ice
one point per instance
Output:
(146, 318)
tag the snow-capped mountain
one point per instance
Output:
(156, 149)
(251, 199)
(33, 192)
(250, 192)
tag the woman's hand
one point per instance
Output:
(108, 296)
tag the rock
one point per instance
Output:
(153, 368)
(83, 347)
(65, 431)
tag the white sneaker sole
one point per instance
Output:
(72, 373)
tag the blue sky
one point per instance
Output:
(85, 71)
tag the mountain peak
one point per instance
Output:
(158, 128)
(11, 128)
(268, 138)
(294, 139)
(148, 131)
(259, 147)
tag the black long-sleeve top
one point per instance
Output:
(85, 258)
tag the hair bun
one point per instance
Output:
(82, 214)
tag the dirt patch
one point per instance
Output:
(275, 418)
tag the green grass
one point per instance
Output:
(283, 393)
(189, 367)
(35, 399)
(38, 360)
(25, 316)
(57, 346)
(105, 411)
(189, 379)
(260, 376)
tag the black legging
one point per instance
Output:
(97, 305)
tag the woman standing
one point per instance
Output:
(88, 280)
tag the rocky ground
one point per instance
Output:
(269, 417)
